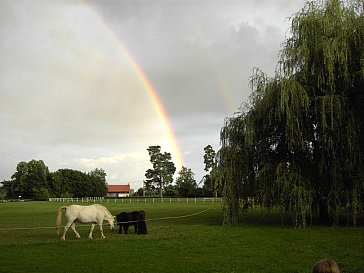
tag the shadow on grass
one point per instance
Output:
(263, 217)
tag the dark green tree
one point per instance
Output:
(163, 169)
(99, 174)
(298, 144)
(207, 187)
(74, 183)
(59, 185)
(98, 182)
(185, 183)
(98, 187)
(209, 158)
(211, 167)
(171, 191)
(2, 191)
(139, 192)
(30, 181)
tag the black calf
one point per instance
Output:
(135, 218)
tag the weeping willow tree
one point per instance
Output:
(298, 144)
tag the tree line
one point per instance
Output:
(32, 180)
(159, 178)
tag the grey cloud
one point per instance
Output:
(66, 95)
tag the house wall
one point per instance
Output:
(123, 194)
(118, 194)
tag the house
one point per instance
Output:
(119, 190)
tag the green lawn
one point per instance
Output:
(190, 244)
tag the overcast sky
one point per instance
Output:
(70, 96)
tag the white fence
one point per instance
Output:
(79, 199)
(137, 200)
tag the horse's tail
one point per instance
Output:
(142, 223)
(59, 218)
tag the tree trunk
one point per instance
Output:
(323, 210)
(161, 188)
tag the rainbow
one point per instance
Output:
(176, 153)
(158, 106)
(224, 91)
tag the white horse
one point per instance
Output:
(84, 214)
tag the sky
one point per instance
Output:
(92, 84)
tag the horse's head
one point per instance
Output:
(112, 222)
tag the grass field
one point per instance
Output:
(190, 244)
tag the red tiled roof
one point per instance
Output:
(118, 188)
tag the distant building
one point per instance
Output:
(119, 191)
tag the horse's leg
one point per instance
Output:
(92, 229)
(73, 226)
(120, 226)
(136, 229)
(101, 230)
(65, 230)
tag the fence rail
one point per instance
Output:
(138, 200)
(78, 199)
